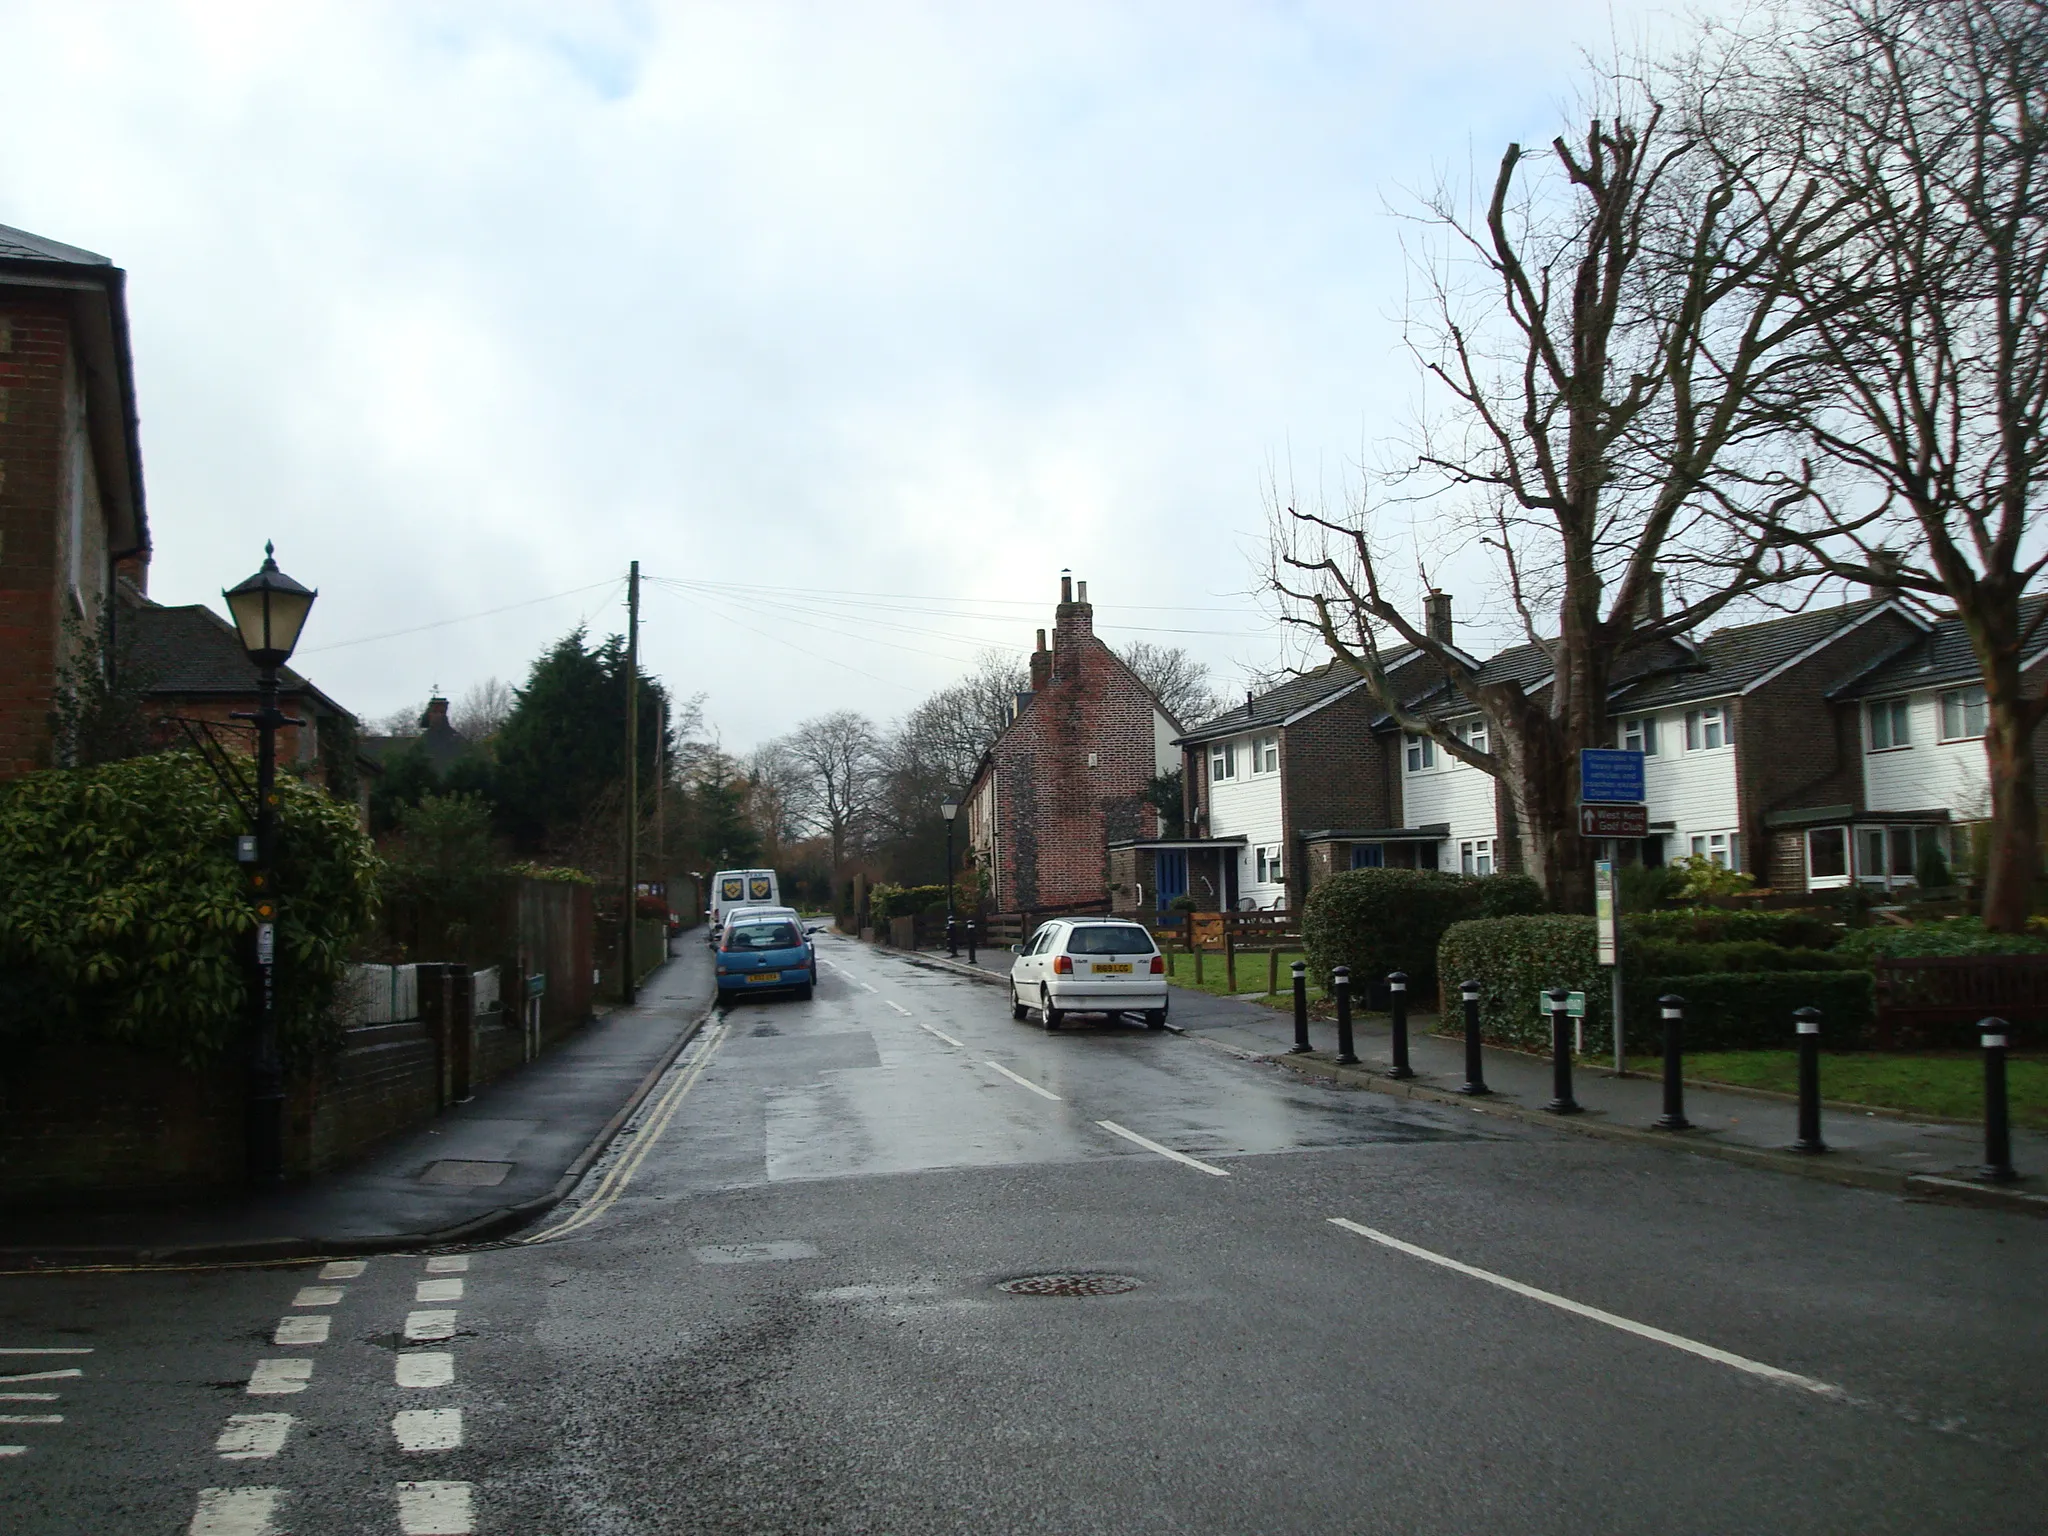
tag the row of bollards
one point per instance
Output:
(1806, 1025)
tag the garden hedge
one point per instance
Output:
(1381, 920)
(1514, 959)
(1754, 1011)
(1714, 925)
(124, 913)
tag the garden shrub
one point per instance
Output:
(1713, 925)
(1382, 920)
(1514, 959)
(1754, 1011)
(1950, 936)
(886, 901)
(124, 912)
(1662, 958)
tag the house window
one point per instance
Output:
(1222, 762)
(1888, 728)
(1421, 753)
(1269, 866)
(1473, 733)
(1266, 754)
(1870, 853)
(1368, 855)
(1962, 714)
(1723, 848)
(1640, 735)
(1827, 854)
(1476, 856)
(1706, 729)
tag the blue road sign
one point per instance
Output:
(1609, 777)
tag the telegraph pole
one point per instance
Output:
(628, 974)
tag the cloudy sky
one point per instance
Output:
(853, 323)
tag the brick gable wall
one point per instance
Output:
(35, 346)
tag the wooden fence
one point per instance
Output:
(1937, 1001)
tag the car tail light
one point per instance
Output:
(1159, 965)
(1062, 965)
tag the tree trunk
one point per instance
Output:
(2014, 857)
(1541, 782)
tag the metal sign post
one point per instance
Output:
(1613, 804)
(1607, 928)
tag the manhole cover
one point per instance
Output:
(465, 1175)
(1070, 1285)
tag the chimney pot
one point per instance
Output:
(1084, 592)
(1436, 616)
(1066, 587)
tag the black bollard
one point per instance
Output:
(1301, 1044)
(1397, 987)
(970, 941)
(1997, 1124)
(1475, 1065)
(1561, 1101)
(1673, 1118)
(1341, 982)
(952, 939)
(1808, 1021)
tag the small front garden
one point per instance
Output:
(1945, 1085)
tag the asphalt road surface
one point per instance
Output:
(779, 1305)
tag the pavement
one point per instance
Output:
(548, 1120)
(1876, 1148)
(889, 1261)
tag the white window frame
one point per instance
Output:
(1887, 725)
(1639, 734)
(1420, 754)
(1476, 855)
(1222, 761)
(1830, 882)
(1708, 720)
(1724, 848)
(1269, 866)
(1264, 747)
(1965, 700)
(1472, 733)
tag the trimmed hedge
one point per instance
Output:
(1516, 958)
(1713, 925)
(1754, 1012)
(1382, 920)
(1658, 957)
(1950, 936)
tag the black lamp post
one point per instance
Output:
(269, 610)
(949, 809)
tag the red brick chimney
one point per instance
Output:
(1073, 622)
(436, 717)
(1041, 664)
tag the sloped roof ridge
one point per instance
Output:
(20, 245)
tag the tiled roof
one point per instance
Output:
(20, 245)
(1943, 656)
(1289, 698)
(1729, 660)
(193, 650)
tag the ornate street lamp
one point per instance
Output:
(269, 610)
(949, 810)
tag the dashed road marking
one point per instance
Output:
(438, 1290)
(343, 1269)
(427, 1429)
(1025, 1082)
(941, 1034)
(31, 1418)
(301, 1330)
(319, 1296)
(897, 1006)
(435, 1509)
(253, 1436)
(1770, 1373)
(29, 1397)
(56, 1375)
(236, 1512)
(279, 1378)
(429, 1327)
(425, 1368)
(1152, 1146)
(13, 1450)
(448, 1264)
(45, 1351)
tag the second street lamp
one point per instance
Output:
(949, 810)
(269, 610)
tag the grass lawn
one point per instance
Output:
(1251, 974)
(1950, 1086)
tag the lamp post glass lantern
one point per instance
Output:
(949, 809)
(269, 611)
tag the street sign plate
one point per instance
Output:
(537, 984)
(1574, 1004)
(1614, 821)
(1603, 912)
(1610, 776)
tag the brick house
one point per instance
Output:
(1068, 776)
(71, 499)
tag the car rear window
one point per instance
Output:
(763, 936)
(1117, 939)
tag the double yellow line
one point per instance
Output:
(620, 1174)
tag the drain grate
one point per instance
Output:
(1070, 1285)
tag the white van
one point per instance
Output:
(740, 888)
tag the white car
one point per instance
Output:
(1089, 965)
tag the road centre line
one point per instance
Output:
(1025, 1082)
(897, 1006)
(45, 1351)
(56, 1375)
(1769, 1373)
(1152, 1146)
(941, 1034)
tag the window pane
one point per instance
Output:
(1880, 728)
(1109, 939)
(1973, 712)
(1692, 733)
(1827, 853)
(1870, 858)
(1900, 729)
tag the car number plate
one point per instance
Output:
(766, 976)
(1121, 968)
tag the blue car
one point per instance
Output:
(767, 954)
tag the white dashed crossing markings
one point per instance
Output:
(448, 1264)
(301, 1330)
(1025, 1082)
(17, 1392)
(253, 1436)
(941, 1034)
(423, 1368)
(1578, 1308)
(429, 1327)
(438, 1290)
(343, 1269)
(280, 1378)
(1152, 1146)
(236, 1512)
(427, 1429)
(435, 1509)
(319, 1296)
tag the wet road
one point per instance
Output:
(778, 1306)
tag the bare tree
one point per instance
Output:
(834, 775)
(482, 709)
(1178, 681)
(949, 731)
(400, 722)
(1609, 337)
(1927, 124)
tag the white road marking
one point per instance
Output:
(1627, 1325)
(941, 1034)
(862, 985)
(429, 1327)
(448, 1264)
(45, 1351)
(31, 1418)
(897, 1006)
(427, 1429)
(13, 1450)
(1025, 1082)
(425, 1368)
(343, 1269)
(1152, 1146)
(29, 1397)
(435, 1509)
(235, 1511)
(754, 1253)
(438, 1290)
(253, 1436)
(301, 1330)
(319, 1296)
(57, 1375)
(279, 1378)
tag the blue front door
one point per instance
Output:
(1171, 873)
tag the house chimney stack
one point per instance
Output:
(1041, 664)
(1066, 587)
(1885, 565)
(1651, 608)
(1436, 616)
(436, 715)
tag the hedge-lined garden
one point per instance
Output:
(1380, 920)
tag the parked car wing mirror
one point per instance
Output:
(1016, 949)
(814, 930)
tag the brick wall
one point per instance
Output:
(35, 347)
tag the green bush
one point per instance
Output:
(124, 912)
(1514, 959)
(1950, 936)
(886, 901)
(1754, 1011)
(1658, 957)
(1644, 887)
(1712, 925)
(1381, 920)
